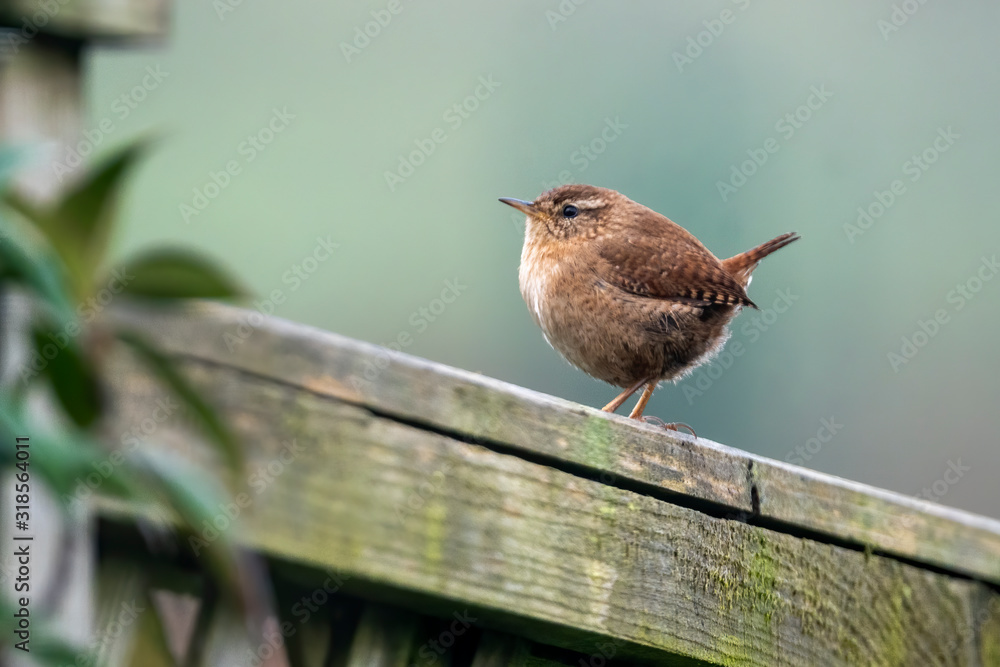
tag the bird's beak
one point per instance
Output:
(526, 207)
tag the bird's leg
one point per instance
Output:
(622, 397)
(643, 400)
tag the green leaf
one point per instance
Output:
(74, 379)
(47, 648)
(36, 269)
(65, 459)
(64, 247)
(170, 273)
(86, 214)
(26, 209)
(79, 228)
(12, 158)
(41, 220)
(50, 649)
(164, 369)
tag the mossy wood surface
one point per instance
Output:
(446, 488)
(692, 472)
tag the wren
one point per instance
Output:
(625, 294)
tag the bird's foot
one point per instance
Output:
(672, 426)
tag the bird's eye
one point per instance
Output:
(570, 211)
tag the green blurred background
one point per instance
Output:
(564, 72)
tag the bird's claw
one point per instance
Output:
(672, 426)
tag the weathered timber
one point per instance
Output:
(442, 489)
(473, 407)
(500, 651)
(87, 19)
(385, 638)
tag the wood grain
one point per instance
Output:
(88, 19)
(498, 650)
(385, 638)
(559, 559)
(694, 472)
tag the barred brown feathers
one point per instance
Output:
(623, 292)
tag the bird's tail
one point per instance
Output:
(742, 265)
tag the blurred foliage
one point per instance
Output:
(57, 255)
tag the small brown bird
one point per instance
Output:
(625, 294)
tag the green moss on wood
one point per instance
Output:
(596, 445)
(989, 633)
(534, 545)
(436, 529)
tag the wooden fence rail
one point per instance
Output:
(430, 516)
(455, 496)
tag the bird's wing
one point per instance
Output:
(680, 269)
